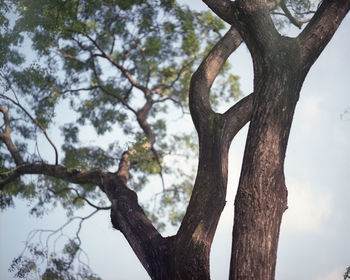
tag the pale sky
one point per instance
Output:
(315, 229)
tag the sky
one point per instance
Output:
(315, 229)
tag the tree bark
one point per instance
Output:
(262, 195)
(280, 66)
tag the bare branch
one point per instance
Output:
(44, 250)
(80, 196)
(298, 23)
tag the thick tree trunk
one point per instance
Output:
(195, 236)
(186, 255)
(262, 195)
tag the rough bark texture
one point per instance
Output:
(262, 195)
(280, 66)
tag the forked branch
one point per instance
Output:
(205, 75)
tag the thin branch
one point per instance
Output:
(126, 72)
(158, 89)
(48, 249)
(298, 23)
(80, 196)
(147, 62)
(72, 57)
(107, 91)
(79, 89)
(34, 121)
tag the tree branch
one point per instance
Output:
(203, 78)
(287, 13)
(6, 137)
(35, 122)
(80, 196)
(125, 72)
(124, 167)
(107, 91)
(222, 8)
(57, 171)
(237, 116)
(321, 29)
(159, 88)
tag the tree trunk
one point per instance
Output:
(262, 195)
(195, 236)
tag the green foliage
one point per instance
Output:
(86, 158)
(347, 273)
(88, 67)
(57, 268)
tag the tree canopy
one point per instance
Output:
(123, 69)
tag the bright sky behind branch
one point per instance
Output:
(314, 241)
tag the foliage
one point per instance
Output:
(101, 62)
(347, 273)
(115, 70)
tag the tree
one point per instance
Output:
(154, 59)
(347, 273)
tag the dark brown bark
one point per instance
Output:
(262, 195)
(280, 66)
(185, 255)
(215, 132)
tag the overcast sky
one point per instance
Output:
(314, 241)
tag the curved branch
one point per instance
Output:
(35, 122)
(81, 197)
(321, 29)
(203, 78)
(106, 90)
(125, 71)
(289, 15)
(44, 250)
